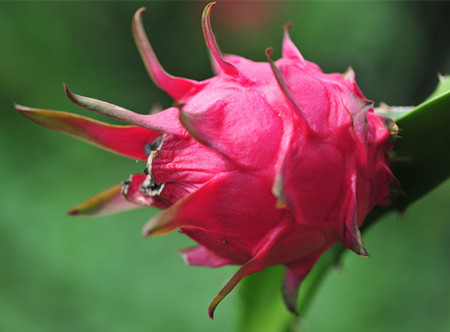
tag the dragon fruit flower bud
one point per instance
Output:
(264, 163)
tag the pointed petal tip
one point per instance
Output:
(287, 27)
(145, 232)
(207, 11)
(208, 8)
(213, 305)
(269, 53)
(226, 67)
(349, 74)
(74, 98)
(107, 202)
(184, 255)
(292, 309)
(211, 312)
(254, 265)
(137, 18)
(355, 243)
(19, 107)
(290, 300)
(159, 225)
(368, 103)
(28, 111)
(24, 110)
(150, 229)
(140, 11)
(87, 103)
(73, 212)
(361, 251)
(289, 50)
(70, 95)
(176, 87)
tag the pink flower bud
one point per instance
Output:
(265, 163)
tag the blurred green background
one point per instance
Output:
(64, 274)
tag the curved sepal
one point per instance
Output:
(216, 54)
(267, 253)
(176, 87)
(354, 241)
(295, 274)
(164, 122)
(349, 75)
(254, 265)
(107, 202)
(129, 141)
(289, 50)
(349, 79)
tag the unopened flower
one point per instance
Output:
(265, 163)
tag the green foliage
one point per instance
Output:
(421, 160)
(63, 274)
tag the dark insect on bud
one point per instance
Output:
(153, 146)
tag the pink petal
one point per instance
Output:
(129, 141)
(238, 139)
(232, 229)
(185, 162)
(107, 202)
(176, 87)
(319, 169)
